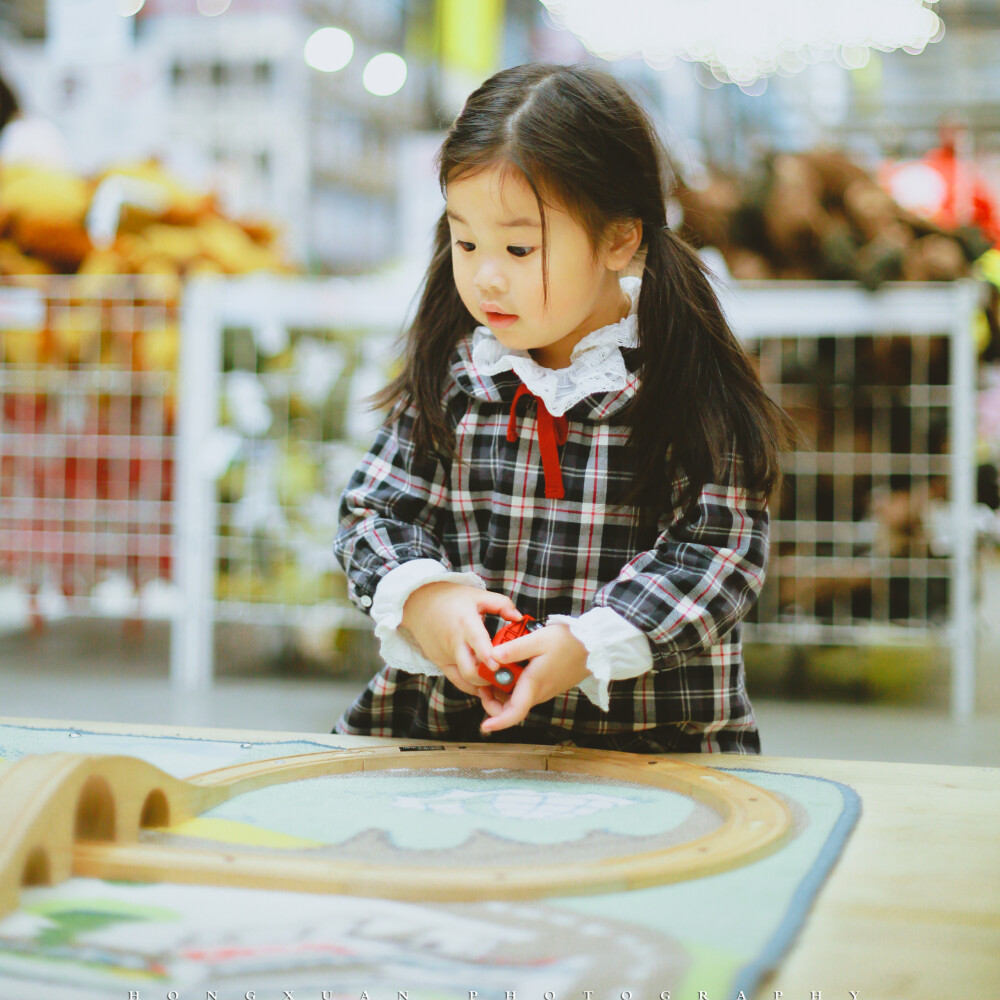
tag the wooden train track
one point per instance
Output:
(66, 814)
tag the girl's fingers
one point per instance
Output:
(454, 675)
(498, 604)
(491, 702)
(523, 648)
(483, 652)
(516, 709)
(469, 669)
(478, 639)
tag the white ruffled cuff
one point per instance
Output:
(398, 647)
(616, 649)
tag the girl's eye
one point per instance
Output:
(465, 245)
(520, 251)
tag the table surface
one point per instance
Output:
(911, 909)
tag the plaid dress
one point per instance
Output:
(486, 511)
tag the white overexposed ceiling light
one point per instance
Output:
(213, 8)
(329, 49)
(384, 74)
(742, 41)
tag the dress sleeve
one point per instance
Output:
(391, 509)
(700, 578)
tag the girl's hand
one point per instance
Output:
(446, 620)
(557, 662)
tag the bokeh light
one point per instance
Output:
(129, 8)
(384, 74)
(744, 41)
(329, 49)
(212, 8)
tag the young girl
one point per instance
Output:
(566, 443)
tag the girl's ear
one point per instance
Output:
(622, 242)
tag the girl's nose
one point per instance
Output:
(490, 278)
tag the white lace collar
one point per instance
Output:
(596, 364)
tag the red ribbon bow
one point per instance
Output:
(552, 432)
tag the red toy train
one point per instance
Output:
(505, 676)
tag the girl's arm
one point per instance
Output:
(389, 547)
(700, 578)
(389, 511)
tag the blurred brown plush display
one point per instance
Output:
(819, 216)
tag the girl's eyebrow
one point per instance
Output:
(520, 223)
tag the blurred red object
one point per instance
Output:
(944, 187)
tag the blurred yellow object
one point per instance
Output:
(988, 267)
(45, 210)
(157, 264)
(179, 244)
(232, 483)
(35, 192)
(229, 245)
(297, 476)
(243, 584)
(156, 349)
(75, 335)
(13, 261)
(166, 281)
(262, 232)
(21, 347)
(63, 244)
(981, 332)
(133, 249)
(281, 362)
(470, 34)
(202, 266)
(293, 584)
(182, 205)
(134, 218)
(103, 262)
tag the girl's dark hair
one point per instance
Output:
(9, 106)
(580, 140)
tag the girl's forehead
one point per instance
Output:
(496, 191)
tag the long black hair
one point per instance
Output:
(580, 140)
(9, 106)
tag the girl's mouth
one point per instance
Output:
(499, 318)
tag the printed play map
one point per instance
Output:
(87, 939)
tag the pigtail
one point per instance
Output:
(718, 409)
(440, 322)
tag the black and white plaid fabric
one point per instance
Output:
(486, 511)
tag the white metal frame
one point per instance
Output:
(378, 305)
(756, 310)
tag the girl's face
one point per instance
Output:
(496, 258)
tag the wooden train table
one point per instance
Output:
(154, 861)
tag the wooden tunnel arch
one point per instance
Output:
(44, 841)
(36, 870)
(95, 810)
(51, 803)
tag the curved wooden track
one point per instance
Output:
(66, 814)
